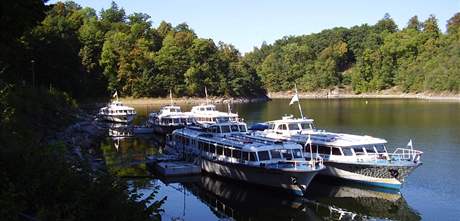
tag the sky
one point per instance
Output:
(248, 23)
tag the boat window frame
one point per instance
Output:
(242, 128)
(232, 126)
(366, 148)
(265, 155)
(348, 152)
(321, 151)
(275, 152)
(227, 152)
(339, 153)
(359, 152)
(291, 124)
(295, 152)
(225, 131)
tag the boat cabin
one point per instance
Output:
(289, 125)
(362, 152)
(207, 113)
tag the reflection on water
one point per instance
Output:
(209, 197)
(431, 192)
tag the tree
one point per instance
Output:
(414, 23)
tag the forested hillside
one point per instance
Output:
(88, 54)
(416, 58)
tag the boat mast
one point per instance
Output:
(170, 97)
(298, 101)
(206, 93)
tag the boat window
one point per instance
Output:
(286, 154)
(271, 126)
(370, 149)
(336, 151)
(200, 145)
(347, 152)
(380, 148)
(293, 126)
(213, 129)
(220, 150)
(282, 127)
(358, 150)
(252, 156)
(209, 109)
(297, 153)
(236, 154)
(275, 154)
(242, 128)
(234, 128)
(263, 155)
(324, 150)
(245, 156)
(212, 148)
(227, 152)
(225, 129)
(306, 126)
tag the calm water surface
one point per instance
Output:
(430, 193)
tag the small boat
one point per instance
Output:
(226, 149)
(169, 118)
(117, 112)
(362, 159)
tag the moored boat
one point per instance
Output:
(117, 112)
(169, 118)
(363, 159)
(225, 149)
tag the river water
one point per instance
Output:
(431, 192)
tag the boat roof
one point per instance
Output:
(243, 141)
(117, 105)
(291, 119)
(209, 110)
(343, 140)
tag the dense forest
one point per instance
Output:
(367, 58)
(88, 54)
(42, 180)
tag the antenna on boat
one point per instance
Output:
(229, 108)
(170, 96)
(296, 99)
(115, 95)
(206, 93)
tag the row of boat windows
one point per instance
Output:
(227, 128)
(369, 149)
(175, 120)
(215, 119)
(118, 111)
(292, 126)
(220, 150)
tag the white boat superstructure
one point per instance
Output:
(117, 112)
(226, 149)
(208, 114)
(169, 118)
(352, 157)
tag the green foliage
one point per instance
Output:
(369, 58)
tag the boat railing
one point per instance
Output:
(407, 154)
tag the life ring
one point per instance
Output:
(394, 173)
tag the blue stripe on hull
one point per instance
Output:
(378, 184)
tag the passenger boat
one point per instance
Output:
(169, 118)
(117, 112)
(208, 114)
(226, 149)
(364, 159)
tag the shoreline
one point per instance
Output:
(335, 95)
(288, 95)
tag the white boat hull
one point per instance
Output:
(118, 118)
(293, 181)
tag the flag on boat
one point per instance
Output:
(410, 143)
(294, 99)
(115, 94)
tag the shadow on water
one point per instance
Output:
(325, 201)
(241, 201)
